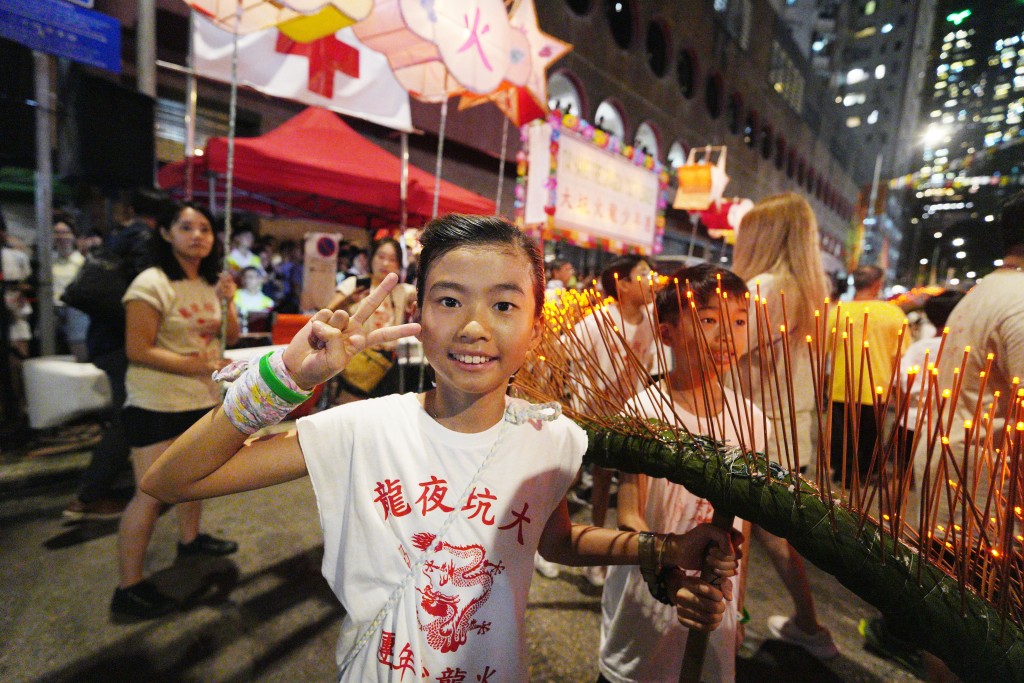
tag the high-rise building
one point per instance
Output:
(971, 138)
(873, 54)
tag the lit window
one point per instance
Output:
(886, 28)
(865, 32)
(854, 98)
(853, 122)
(869, 7)
(856, 76)
(880, 71)
(873, 117)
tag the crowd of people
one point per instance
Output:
(437, 480)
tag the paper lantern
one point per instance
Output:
(523, 94)
(441, 48)
(257, 15)
(701, 180)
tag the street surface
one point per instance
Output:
(266, 614)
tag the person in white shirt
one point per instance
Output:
(642, 641)
(431, 504)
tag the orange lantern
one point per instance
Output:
(702, 179)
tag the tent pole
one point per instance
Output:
(440, 154)
(501, 166)
(191, 97)
(404, 186)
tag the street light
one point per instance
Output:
(958, 242)
(961, 254)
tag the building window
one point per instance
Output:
(791, 163)
(737, 15)
(786, 78)
(852, 121)
(780, 152)
(880, 71)
(713, 95)
(620, 20)
(657, 48)
(873, 117)
(676, 155)
(734, 113)
(869, 7)
(852, 98)
(564, 95)
(686, 72)
(854, 76)
(766, 142)
(750, 129)
(579, 7)
(646, 139)
(608, 118)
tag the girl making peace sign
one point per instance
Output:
(432, 505)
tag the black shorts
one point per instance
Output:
(147, 427)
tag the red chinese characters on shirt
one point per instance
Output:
(391, 499)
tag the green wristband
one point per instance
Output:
(277, 386)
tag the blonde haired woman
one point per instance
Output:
(777, 251)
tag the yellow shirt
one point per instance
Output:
(884, 323)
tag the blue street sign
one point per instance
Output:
(64, 30)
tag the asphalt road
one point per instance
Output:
(266, 614)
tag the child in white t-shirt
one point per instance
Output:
(642, 639)
(432, 505)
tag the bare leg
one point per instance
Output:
(138, 520)
(188, 520)
(790, 568)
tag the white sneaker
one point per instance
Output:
(546, 569)
(595, 575)
(819, 644)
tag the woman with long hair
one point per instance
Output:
(173, 312)
(778, 252)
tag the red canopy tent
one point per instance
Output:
(314, 165)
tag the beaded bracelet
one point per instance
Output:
(262, 394)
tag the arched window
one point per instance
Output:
(657, 48)
(734, 113)
(713, 95)
(608, 118)
(620, 21)
(579, 7)
(564, 94)
(686, 72)
(750, 129)
(647, 139)
(677, 155)
(767, 141)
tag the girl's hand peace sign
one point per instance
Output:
(326, 343)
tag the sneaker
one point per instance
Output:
(595, 575)
(204, 544)
(143, 600)
(879, 640)
(546, 569)
(819, 644)
(103, 508)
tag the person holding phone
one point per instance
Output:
(385, 258)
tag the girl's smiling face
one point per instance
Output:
(479, 318)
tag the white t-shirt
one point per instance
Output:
(189, 323)
(386, 476)
(641, 638)
(606, 360)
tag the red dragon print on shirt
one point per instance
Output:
(458, 583)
